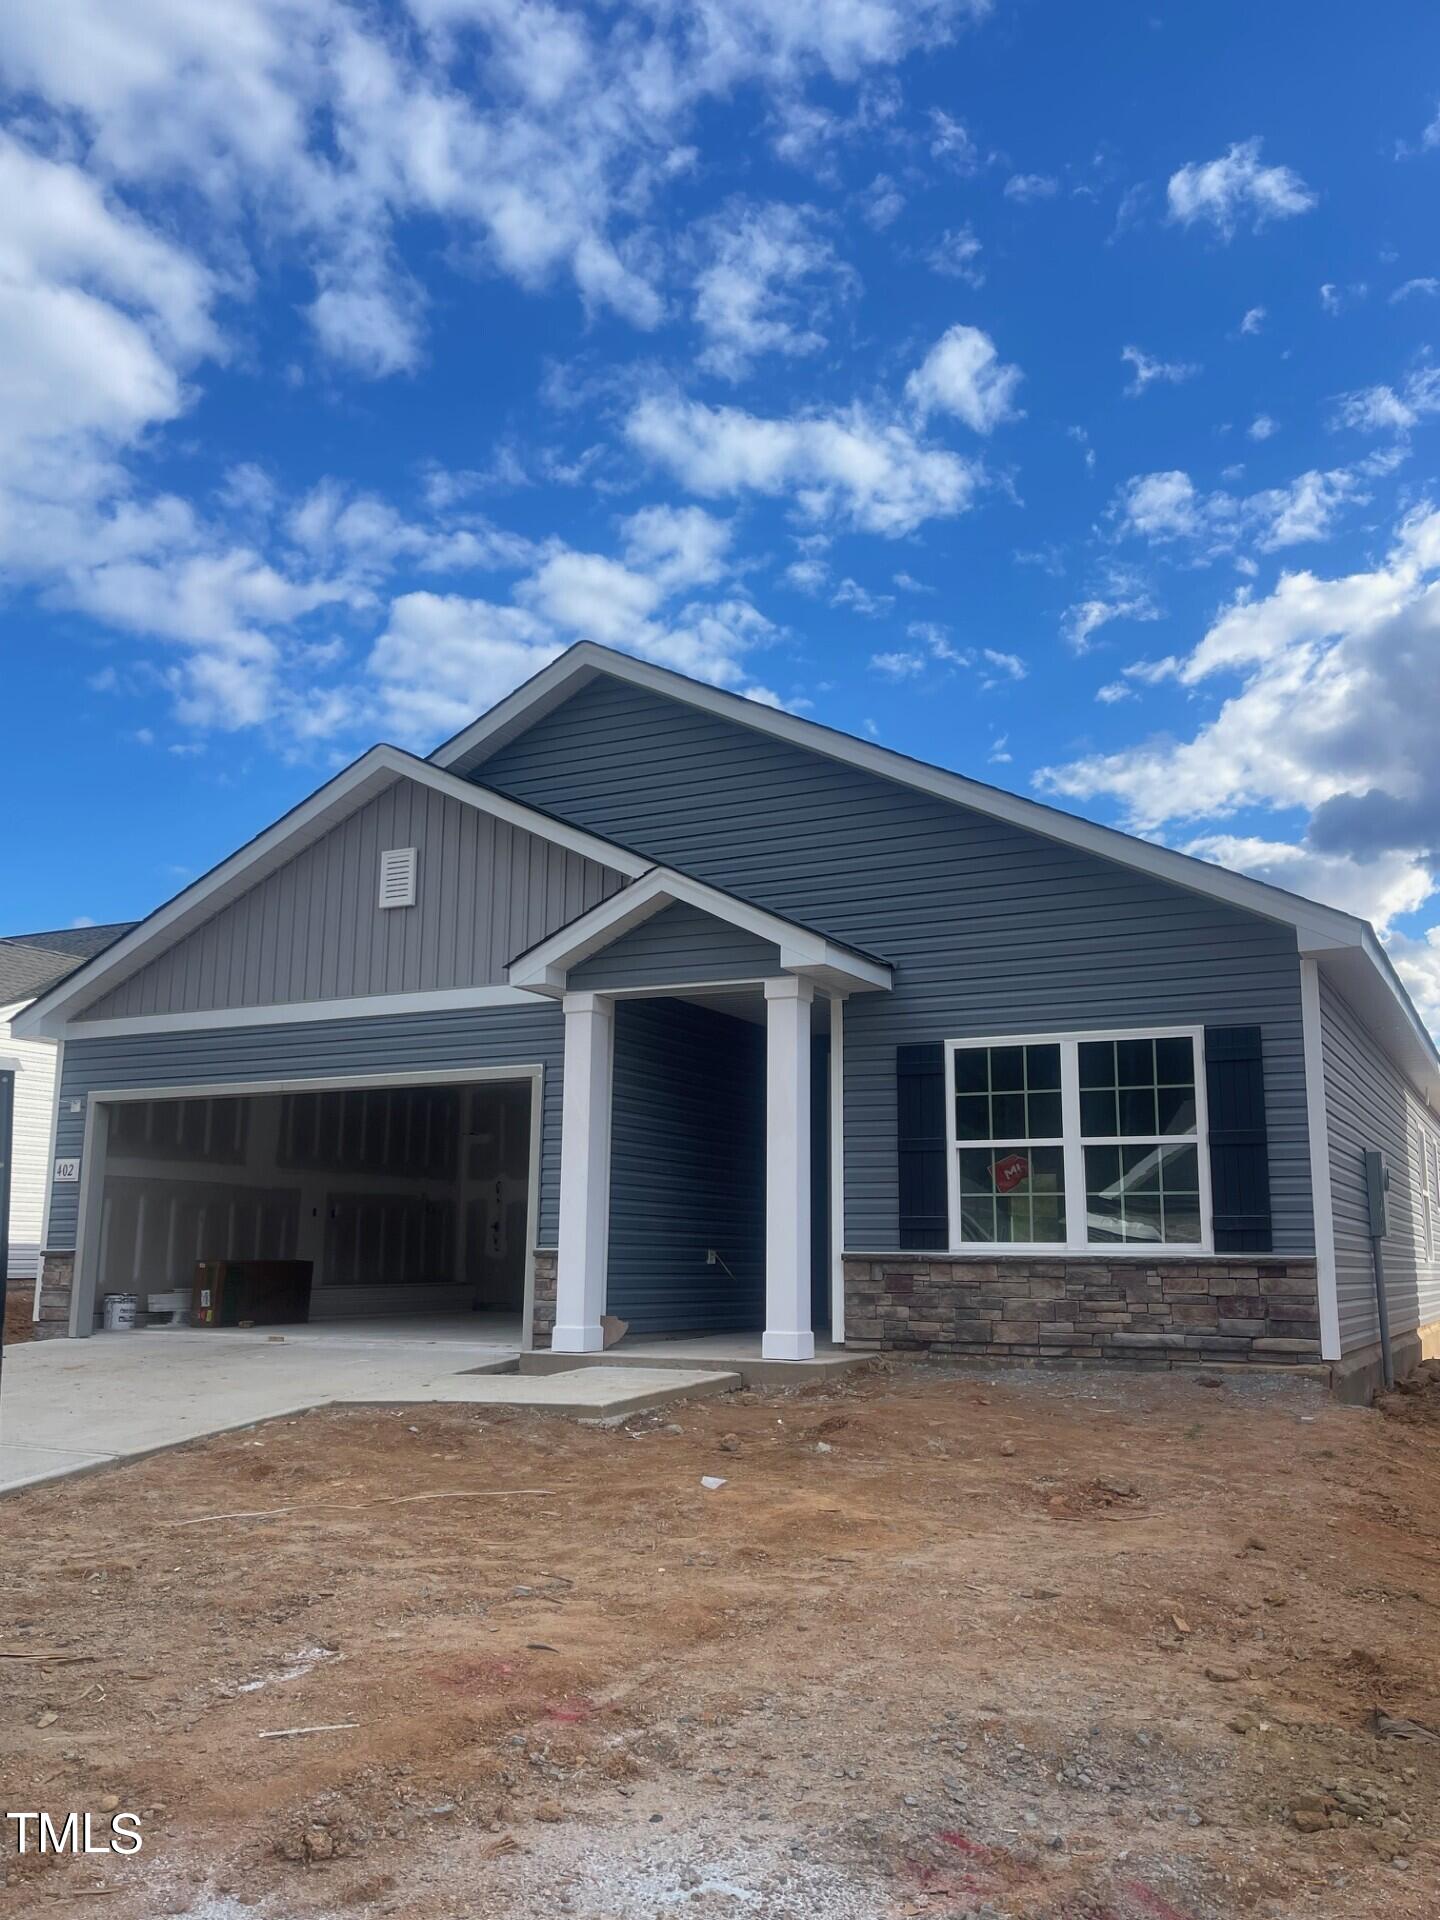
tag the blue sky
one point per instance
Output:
(1046, 391)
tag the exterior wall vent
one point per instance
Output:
(397, 877)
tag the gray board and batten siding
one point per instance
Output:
(313, 929)
(991, 929)
(449, 1041)
(1368, 1103)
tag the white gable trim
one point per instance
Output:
(803, 951)
(1318, 926)
(48, 1016)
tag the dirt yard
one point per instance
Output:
(1092, 1648)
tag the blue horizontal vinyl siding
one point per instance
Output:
(991, 929)
(400, 1043)
(687, 1169)
(678, 944)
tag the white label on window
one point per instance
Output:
(67, 1169)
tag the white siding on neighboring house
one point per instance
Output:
(34, 1098)
(1369, 1103)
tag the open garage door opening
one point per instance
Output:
(387, 1199)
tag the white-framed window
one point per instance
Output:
(1081, 1142)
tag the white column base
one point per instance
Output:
(787, 1346)
(577, 1340)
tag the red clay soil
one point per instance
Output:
(1123, 1647)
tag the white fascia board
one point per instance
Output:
(575, 668)
(543, 968)
(47, 1017)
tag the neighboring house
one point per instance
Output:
(30, 962)
(638, 997)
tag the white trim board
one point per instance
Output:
(543, 967)
(1317, 1126)
(292, 1012)
(46, 1017)
(1319, 929)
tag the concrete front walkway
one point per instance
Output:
(66, 1405)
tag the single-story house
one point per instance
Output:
(30, 962)
(640, 998)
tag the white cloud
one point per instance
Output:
(1088, 616)
(861, 600)
(956, 255)
(756, 292)
(1235, 187)
(882, 203)
(964, 375)
(1382, 409)
(1329, 709)
(1008, 666)
(850, 466)
(1167, 507)
(541, 134)
(953, 143)
(1253, 320)
(1263, 427)
(1027, 187)
(444, 658)
(1148, 370)
(1417, 961)
(899, 665)
(1426, 285)
(1376, 889)
(1113, 691)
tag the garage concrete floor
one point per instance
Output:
(68, 1405)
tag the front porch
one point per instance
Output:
(701, 1139)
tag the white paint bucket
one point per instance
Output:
(119, 1311)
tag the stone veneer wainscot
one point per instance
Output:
(542, 1313)
(1156, 1312)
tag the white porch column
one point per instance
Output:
(788, 1333)
(584, 1173)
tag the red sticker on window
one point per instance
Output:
(1010, 1172)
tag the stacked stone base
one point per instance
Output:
(1147, 1312)
(57, 1281)
(542, 1314)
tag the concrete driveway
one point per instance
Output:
(67, 1405)
(70, 1404)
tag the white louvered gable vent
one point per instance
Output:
(397, 877)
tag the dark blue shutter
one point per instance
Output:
(920, 1114)
(1239, 1149)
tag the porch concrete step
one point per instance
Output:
(739, 1357)
(589, 1392)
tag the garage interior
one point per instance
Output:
(401, 1199)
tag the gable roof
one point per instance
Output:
(279, 843)
(31, 962)
(803, 950)
(1345, 945)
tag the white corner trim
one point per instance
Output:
(837, 1169)
(44, 1018)
(1318, 1128)
(293, 1012)
(544, 967)
(582, 662)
